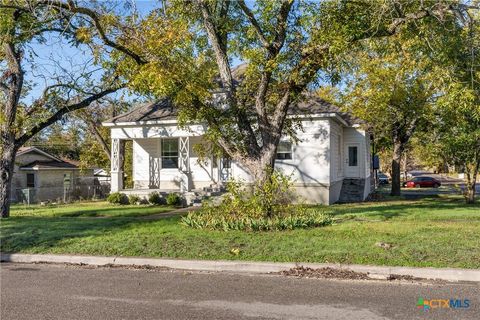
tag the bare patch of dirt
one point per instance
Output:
(345, 274)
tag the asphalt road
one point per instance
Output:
(67, 292)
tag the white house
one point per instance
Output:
(331, 162)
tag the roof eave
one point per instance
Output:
(306, 116)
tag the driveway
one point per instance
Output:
(69, 292)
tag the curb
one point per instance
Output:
(374, 272)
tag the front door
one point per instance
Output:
(352, 161)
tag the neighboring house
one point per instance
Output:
(42, 176)
(331, 162)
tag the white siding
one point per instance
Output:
(355, 136)
(336, 147)
(311, 155)
(310, 161)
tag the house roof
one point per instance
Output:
(42, 165)
(164, 109)
(25, 150)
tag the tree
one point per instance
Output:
(456, 132)
(185, 51)
(286, 44)
(19, 121)
(392, 90)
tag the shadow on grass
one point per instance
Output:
(39, 234)
(81, 211)
(388, 209)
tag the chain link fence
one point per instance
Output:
(63, 193)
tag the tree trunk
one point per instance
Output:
(261, 170)
(471, 184)
(7, 163)
(396, 159)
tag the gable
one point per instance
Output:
(30, 157)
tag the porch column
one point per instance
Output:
(184, 166)
(116, 174)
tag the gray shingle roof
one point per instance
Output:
(163, 109)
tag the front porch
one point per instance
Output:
(166, 165)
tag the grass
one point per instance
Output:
(86, 209)
(434, 232)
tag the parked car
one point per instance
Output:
(383, 178)
(423, 182)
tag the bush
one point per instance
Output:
(117, 198)
(244, 209)
(298, 217)
(156, 199)
(174, 199)
(133, 199)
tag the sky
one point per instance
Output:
(46, 61)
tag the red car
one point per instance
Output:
(422, 182)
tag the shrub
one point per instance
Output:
(117, 198)
(174, 199)
(155, 198)
(133, 199)
(298, 217)
(244, 209)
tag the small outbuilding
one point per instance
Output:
(40, 176)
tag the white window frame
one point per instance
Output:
(162, 156)
(285, 152)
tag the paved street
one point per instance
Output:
(68, 292)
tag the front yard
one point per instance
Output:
(435, 232)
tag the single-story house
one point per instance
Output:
(41, 176)
(331, 161)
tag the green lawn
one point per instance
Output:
(86, 209)
(438, 232)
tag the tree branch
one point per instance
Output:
(255, 24)
(60, 113)
(73, 8)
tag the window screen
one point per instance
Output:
(169, 153)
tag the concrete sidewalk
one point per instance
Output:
(374, 272)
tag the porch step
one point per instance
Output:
(352, 190)
(212, 193)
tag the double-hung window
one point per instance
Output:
(169, 153)
(284, 150)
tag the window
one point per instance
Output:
(284, 150)
(352, 156)
(169, 153)
(226, 162)
(30, 180)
